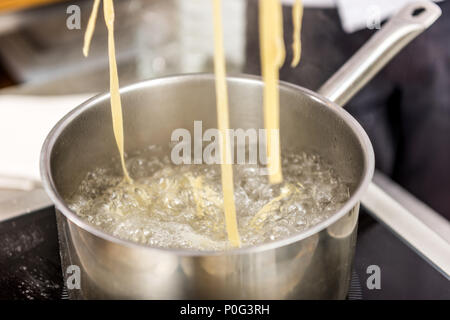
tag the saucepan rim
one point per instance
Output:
(49, 185)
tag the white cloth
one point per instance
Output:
(25, 122)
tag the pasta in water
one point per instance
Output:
(272, 58)
(223, 122)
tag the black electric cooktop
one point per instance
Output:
(30, 265)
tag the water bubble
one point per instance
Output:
(182, 206)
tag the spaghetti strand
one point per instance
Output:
(223, 123)
(90, 28)
(116, 104)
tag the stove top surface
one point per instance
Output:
(31, 269)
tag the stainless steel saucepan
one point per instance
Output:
(314, 264)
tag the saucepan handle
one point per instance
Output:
(413, 228)
(403, 27)
(415, 223)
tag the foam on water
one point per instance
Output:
(180, 206)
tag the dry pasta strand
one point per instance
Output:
(281, 50)
(116, 105)
(297, 17)
(223, 124)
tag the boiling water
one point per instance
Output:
(181, 206)
(139, 197)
